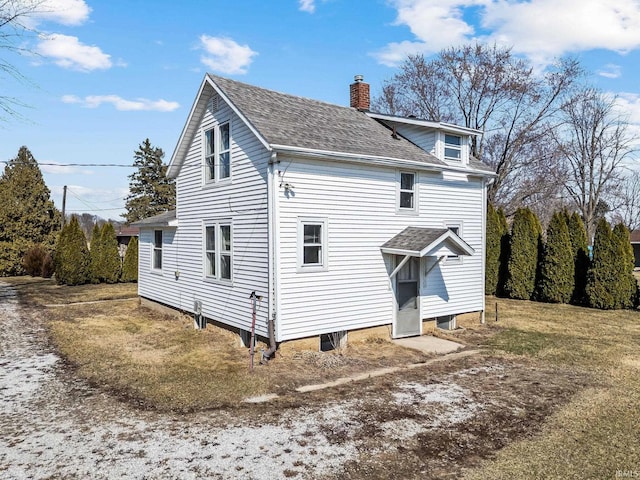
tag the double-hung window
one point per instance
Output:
(453, 147)
(156, 261)
(217, 153)
(312, 244)
(407, 191)
(218, 251)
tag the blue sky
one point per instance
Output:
(105, 75)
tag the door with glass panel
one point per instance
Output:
(407, 321)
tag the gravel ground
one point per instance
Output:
(53, 425)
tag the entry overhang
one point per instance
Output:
(423, 242)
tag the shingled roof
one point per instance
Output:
(289, 120)
(283, 120)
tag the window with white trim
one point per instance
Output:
(455, 227)
(452, 147)
(407, 191)
(218, 251)
(157, 250)
(217, 153)
(312, 244)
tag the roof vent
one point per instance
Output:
(358, 78)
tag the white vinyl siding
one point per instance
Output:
(354, 292)
(242, 199)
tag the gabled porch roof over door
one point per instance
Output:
(423, 242)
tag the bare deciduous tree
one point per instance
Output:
(627, 209)
(14, 28)
(485, 88)
(594, 142)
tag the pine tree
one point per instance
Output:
(523, 258)
(27, 213)
(95, 253)
(130, 264)
(505, 252)
(580, 246)
(557, 268)
(493, 244)
(72, 262)
(109, 255)
(627, 286)
(602, 276)
(150, 191)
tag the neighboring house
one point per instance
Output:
(341, 219)
(635, 243)
(124, 234)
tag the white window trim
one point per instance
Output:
(454, 259)
(416, 184)
(155, 269)
(324, 266)
(216, 224)
(207, 182)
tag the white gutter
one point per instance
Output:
(376, 160)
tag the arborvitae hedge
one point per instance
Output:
(523, 258)
(493, 241)
(602, 278)
(505, 252)
(555, 283)
(72, 262)
(580, 246)
(95, 251)
(109, 263)
(626, 291)
(130, 264)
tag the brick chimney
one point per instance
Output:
(359, 93)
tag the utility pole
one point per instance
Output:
(64, 205)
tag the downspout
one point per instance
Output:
(273, 260)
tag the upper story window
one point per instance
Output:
(407, 191)
(217, 153)
(156, 262)
(452, 147)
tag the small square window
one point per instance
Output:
(453, 147)
(457, 229)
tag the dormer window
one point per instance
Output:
(453, 147)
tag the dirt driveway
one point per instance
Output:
(431, 422)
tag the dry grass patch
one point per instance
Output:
(157, 361)
(35, 291)
(596, 434)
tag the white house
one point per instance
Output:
(340, 218)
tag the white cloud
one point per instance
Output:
(139, 104)
(307, 6)
(225, 55)
(610, 70)
(66, 12)
(540, 29)
(68, 52)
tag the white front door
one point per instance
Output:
(408, 321)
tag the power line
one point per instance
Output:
(81, 164)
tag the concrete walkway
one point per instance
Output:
(429, 344)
